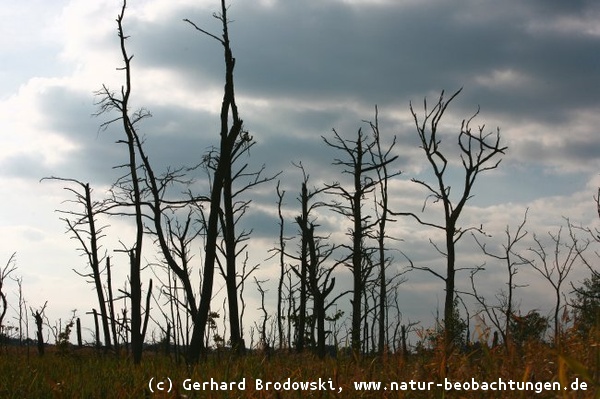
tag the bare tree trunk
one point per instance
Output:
(79, 341)
(109, 102)
(95, 264)
(301, 326)
(231, 255)
(111, 305)
(228, 140)
(449, 319)
(96, 328)
(381, 158)
(38, 315)
(40, 334)
(280, 317)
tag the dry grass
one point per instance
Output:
(85, 374)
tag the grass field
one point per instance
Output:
(83, 373)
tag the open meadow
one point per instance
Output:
(85, 373)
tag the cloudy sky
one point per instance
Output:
(303, 68)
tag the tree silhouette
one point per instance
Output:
(556, 266)
(233, 141)
(315, 274)
(478, 153)
(8, 268)
(513, 260)
(83, 225)
(359, 164)
(382, 157)
(130, 183)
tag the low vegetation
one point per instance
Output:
(86, 373)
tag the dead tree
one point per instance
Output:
(360, 166)
(38, 316)
(232, 140)
(264, 339)
(147, 193)
(226, 205)
(131, 181)
(500, 315)
(285, 272)
(82, 224)
(4, 273)
(302, 271)
(382, 157)
(478, 153)
(314, 269)
(282, 266)
(555, 267)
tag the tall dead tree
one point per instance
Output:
(280, 195)
(171, 218)
(130, 182)
(302, 274)
(146, 193)
(361, 167)
(232, 140)
(478, 153)
(382, 157)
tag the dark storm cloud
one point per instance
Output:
(558, 7)
(518, 61)
(388, 54)
(385, 54)
(306, 49)
(308, 60)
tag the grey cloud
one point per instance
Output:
(384, 55)
(381, 54)
(25, 165)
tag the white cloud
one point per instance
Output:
(506, 79)
(25, 128)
